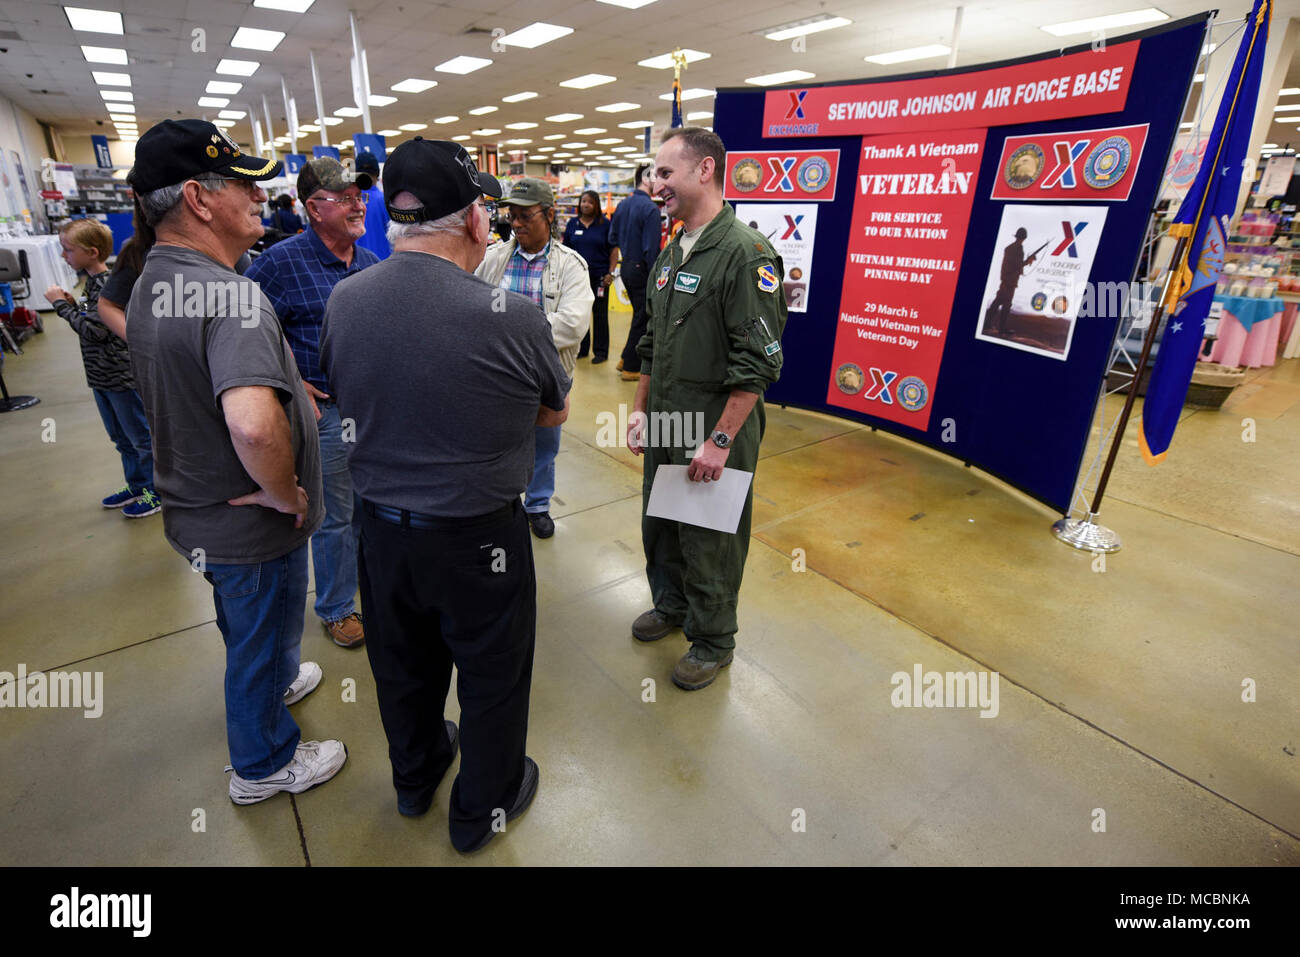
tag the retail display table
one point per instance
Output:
(1248, 331)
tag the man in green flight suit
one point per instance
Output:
(715, 312)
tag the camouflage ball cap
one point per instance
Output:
(530, 192)
(327, 173)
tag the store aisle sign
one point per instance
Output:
(293, 163)
(102, 158)
(318, 151)
(781, 175)
(1071, 164)
(1079, 84)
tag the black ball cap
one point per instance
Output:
(176, 150)
(440, 174)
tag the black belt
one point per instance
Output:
(407, 519)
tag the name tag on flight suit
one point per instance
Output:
(686, 282)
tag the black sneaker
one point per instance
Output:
(542, 524)
(527, 791)
(597, 360)
(416, 807)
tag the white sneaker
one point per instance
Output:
(315, 762)
(309, 675)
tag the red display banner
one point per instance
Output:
(1080, 84)
(1072, 164)
(807, 175)
(910, 214)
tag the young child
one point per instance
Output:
(86, 244)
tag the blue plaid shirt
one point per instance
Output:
(524, 276)
(297, 275)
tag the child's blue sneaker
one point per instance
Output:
(147, 504)
(123, 496)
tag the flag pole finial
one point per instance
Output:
(679, 64)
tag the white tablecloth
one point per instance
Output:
(45, 260)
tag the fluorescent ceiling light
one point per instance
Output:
(590, 130)
(609, 139)
(576, 145)
(308, 128)
(124, 95)
(461, 138)
(232, 114)
(292, 6)
(446, 119)
(623, 149)
(94, 21)
(618, 107)
(463, 65)
(377, 99)
(800, 28)
(125, 127)
(914, 53)
(664, 61)
(556, 136)
(1184, 126)
(121, 118)
(1289, 106)
(534, 157)
(519, 97)
(521, 126)
(111, 79)
(224, 124)
(786, 76)
(347, 111)
(517, 142)
(413, 127)
(121, 107)
(213, 101)
(486, 131)
(699, 116)
(561, 155)
(1097, 24)
(483, 110)
(250, 38)
(1199, 78)
(390, 132)
(346, 144)
(627, 4)
(104, 55)
(636, 125)
(1208, 48)
(693, 94)
(546, 149)
(1268, 146)
(587, 81)
(412, 85)
(564, 118)
(1289, 91)
(238, 67)
(590, 153)
(329, 121)
(221, 87)
(534, 35)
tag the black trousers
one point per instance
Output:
(635, 279)
(465, 594)
(598, 336)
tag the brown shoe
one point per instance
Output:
(346, 632)
(693, 672)
(629, 376)
(619, 367)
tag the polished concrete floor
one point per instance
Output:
(1121, 736)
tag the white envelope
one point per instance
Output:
(716, 505)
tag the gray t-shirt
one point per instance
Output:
(197, 329)
(442, 388)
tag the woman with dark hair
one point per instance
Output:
(284, 218)
(130, 263)
(588, 235)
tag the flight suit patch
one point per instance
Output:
(663, 277)
(686, 282)
(766, 279)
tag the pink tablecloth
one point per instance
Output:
(1288, 321)
(1236, 347)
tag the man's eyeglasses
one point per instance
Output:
(359, 200)
(522, 215)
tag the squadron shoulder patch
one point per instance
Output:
(663, 277)
(766, 279)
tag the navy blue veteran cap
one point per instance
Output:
(176, 150)
(440, 174)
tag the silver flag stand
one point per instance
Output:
(1086, 535)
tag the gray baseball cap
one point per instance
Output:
(325, 172)
(530, 192)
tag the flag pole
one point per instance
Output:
(1086, 534)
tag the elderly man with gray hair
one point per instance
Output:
(236, 458)
(446, 378)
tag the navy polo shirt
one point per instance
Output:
(636, 229)
(590, 242)
(297, 275)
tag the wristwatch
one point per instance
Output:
(721, 439)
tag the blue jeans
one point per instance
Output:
(259, 611)
(124, 420)
(334, 546)
(542, 485)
